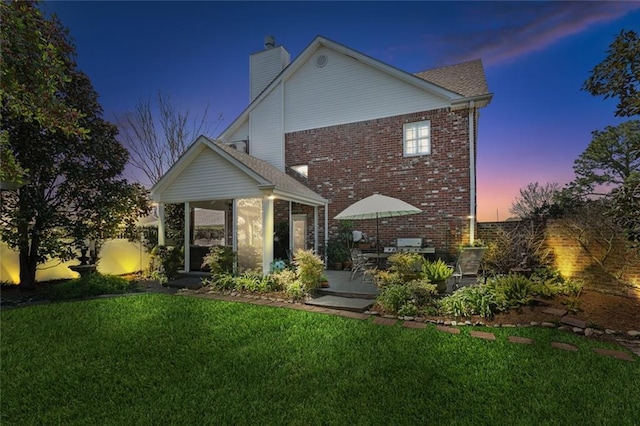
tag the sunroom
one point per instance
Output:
(250, 193)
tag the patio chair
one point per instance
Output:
(360, 264)
(467, 264)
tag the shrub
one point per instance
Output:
(512, 290)
(472, 300)
(394, 296)
(423, 292)
(309, 268)
(90, 286)
(283, 279)
(220, 282)
(166, 261)
(220, 260)
(295, 290)
(407, 265)
(384, 278)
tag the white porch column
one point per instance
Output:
(267, 233)
(326, 233)
(315, 229)
(234, 231)
(187, 237)
(290, 230)
(161, 225)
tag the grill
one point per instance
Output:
(409, 245)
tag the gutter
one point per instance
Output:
(472, 173)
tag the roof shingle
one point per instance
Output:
(466, 79)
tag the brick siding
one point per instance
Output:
(352, 161)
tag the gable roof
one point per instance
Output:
(267, 177)
(427, 85)
(466, 79)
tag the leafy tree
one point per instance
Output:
(618, 75)
(73, 189)
(534, 200)
(626, 207)
(611, 157)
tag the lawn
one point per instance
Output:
(159, 359)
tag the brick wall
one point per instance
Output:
(352, 161)
(574, 261)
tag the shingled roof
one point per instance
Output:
(466, 79)
(269, 173)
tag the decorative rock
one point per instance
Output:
(374, 313)
(578, 330)
(610, 332)
(554, 311)
(548, 324)
(408, 318)
(467, 323)
(440, 321)
(522, 340)
(574, 322)
(508, 325)
(419, 319)
(479, 323)
(633, 333)
(453, 323)
(496, 325)
(588, 331)
(447, 323)
(598, 332)
(564, 346)
(565, 328)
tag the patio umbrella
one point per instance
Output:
(375, 207)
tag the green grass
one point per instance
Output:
(159, 359)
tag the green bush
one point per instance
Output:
(295, 290)
(309, 268)
(394, 296)
(423, 292)
(407, 265)
(512, 290)
(166, 261)
(90, 286)
(220, 282)
(220, 260)
(385, 278)
(472, 300)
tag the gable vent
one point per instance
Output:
(321, 61)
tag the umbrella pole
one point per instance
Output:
(377, 238)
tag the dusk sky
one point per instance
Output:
(536, 56)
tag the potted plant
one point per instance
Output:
(337, 253)
(438, 273)
(324, 281)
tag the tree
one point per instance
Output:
(610, 159)
(73, 190)
(626, 207)
(534, 200)
(618, 75)
(153, 152)
(33, 72)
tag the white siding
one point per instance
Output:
(210, 177)
(266, 137)
(241, 134)
(264, 67)
(347, 91)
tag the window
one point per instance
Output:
(417, 138)
(302, 169)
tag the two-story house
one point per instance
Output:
(326, 130)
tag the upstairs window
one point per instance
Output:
(302, 169)
(417, 138)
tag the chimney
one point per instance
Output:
(264, 66)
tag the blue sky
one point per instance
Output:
(536, 57)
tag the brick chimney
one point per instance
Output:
(264, 66)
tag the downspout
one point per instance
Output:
(472, 174)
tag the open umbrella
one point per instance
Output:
(374, 207)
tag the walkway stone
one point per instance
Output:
(521, 340)
(564, 346)
(554, 311)
(573, 321)
(353, 315)
(447, 329)
(615, 354)
(413, 324)
(384, 321)
(482, 335)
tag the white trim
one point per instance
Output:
(416, 126)
(472, 174)
(161, 225)
(267, 233)
(187, 237)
